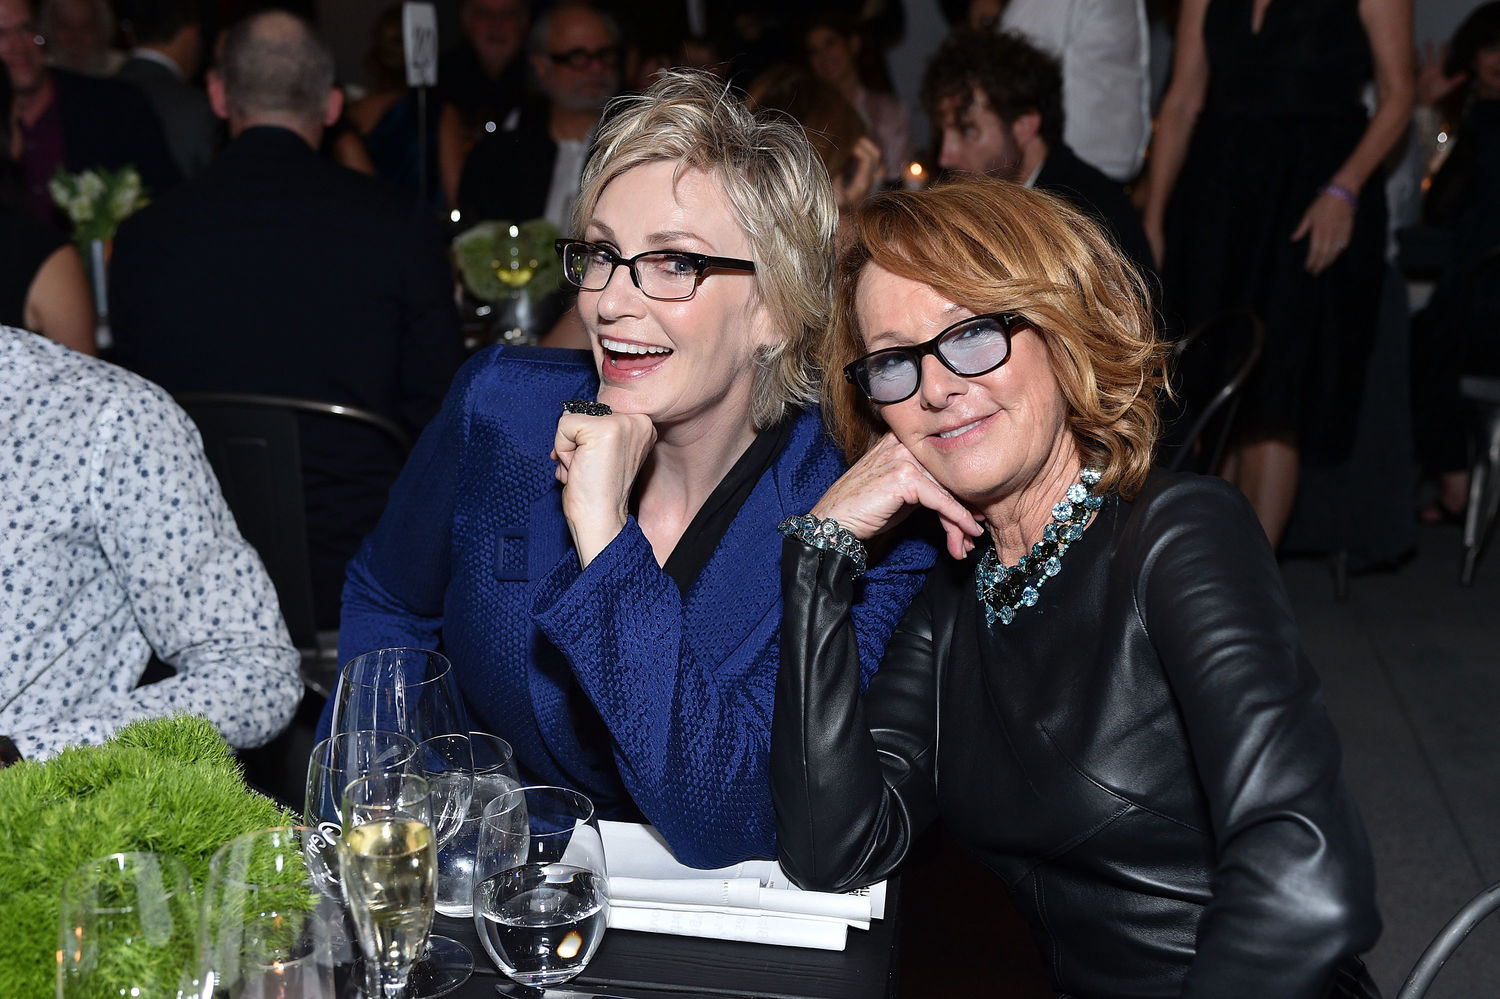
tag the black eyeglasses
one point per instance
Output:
(580, 58)
(970, 347)
(665, 275)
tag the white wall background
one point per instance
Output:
(1434, 20)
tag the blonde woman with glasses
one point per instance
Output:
(592, 538)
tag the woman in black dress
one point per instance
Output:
(1265, 194)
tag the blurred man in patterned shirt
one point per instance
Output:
(115, 544)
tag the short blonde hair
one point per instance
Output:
(777, 189)
(993, 246)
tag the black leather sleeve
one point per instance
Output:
(850, 777)
(1293, 886)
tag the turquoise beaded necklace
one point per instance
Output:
(1005, 589)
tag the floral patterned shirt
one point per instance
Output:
(115, 542)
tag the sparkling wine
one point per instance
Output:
(541, 923)
(389, 871)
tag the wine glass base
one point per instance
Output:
(445, 966)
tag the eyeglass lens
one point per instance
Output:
(970, 348)
(665, 276)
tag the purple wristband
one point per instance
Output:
(1341, 192)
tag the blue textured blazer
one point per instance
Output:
(473, 555)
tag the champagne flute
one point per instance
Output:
(411, 691)
(541, 917)
(129, 927)
(268, 929)
(494, 774)
(388, 866)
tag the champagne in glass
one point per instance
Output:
(388, 865)
(413, 692)
(541, 916)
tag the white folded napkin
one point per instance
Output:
(752, 901)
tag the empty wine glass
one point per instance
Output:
(334, 764)
(268, 929)
(129, 927)
(388, 866)
(542, 917)
(447, 761)
(494, 774)
(410, 691)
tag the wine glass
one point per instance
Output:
(494, 771)
(268, 929)
(542, 916)
(447, 761)
(334, 764)
(388, 866)
(129, 927)
(411, 691)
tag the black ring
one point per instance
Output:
(586, 407)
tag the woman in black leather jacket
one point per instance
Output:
(1124, 726)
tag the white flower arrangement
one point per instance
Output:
(97, 201)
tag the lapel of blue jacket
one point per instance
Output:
(736, 601)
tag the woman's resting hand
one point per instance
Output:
(598, 459)
(886, 485)
(1328, 226)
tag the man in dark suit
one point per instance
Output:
(73, 121)
(997, 103)
(169, 48)
(279, 272)
(530, 166)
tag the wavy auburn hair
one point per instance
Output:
(992, 246)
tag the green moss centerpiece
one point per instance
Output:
(169, 785)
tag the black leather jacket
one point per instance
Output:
(1143, 756)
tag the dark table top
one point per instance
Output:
(634, 965)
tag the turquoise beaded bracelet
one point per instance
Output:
(827, 535)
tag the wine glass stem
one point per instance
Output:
(385, 982)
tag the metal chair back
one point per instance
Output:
(253, 443)
(1480, 398)
(1208, 369)
(1447, 941)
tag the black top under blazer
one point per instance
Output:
(1143, 757)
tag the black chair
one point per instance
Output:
(1480, 398)
(1208, 369)
(253, 443)
(1446, 942)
